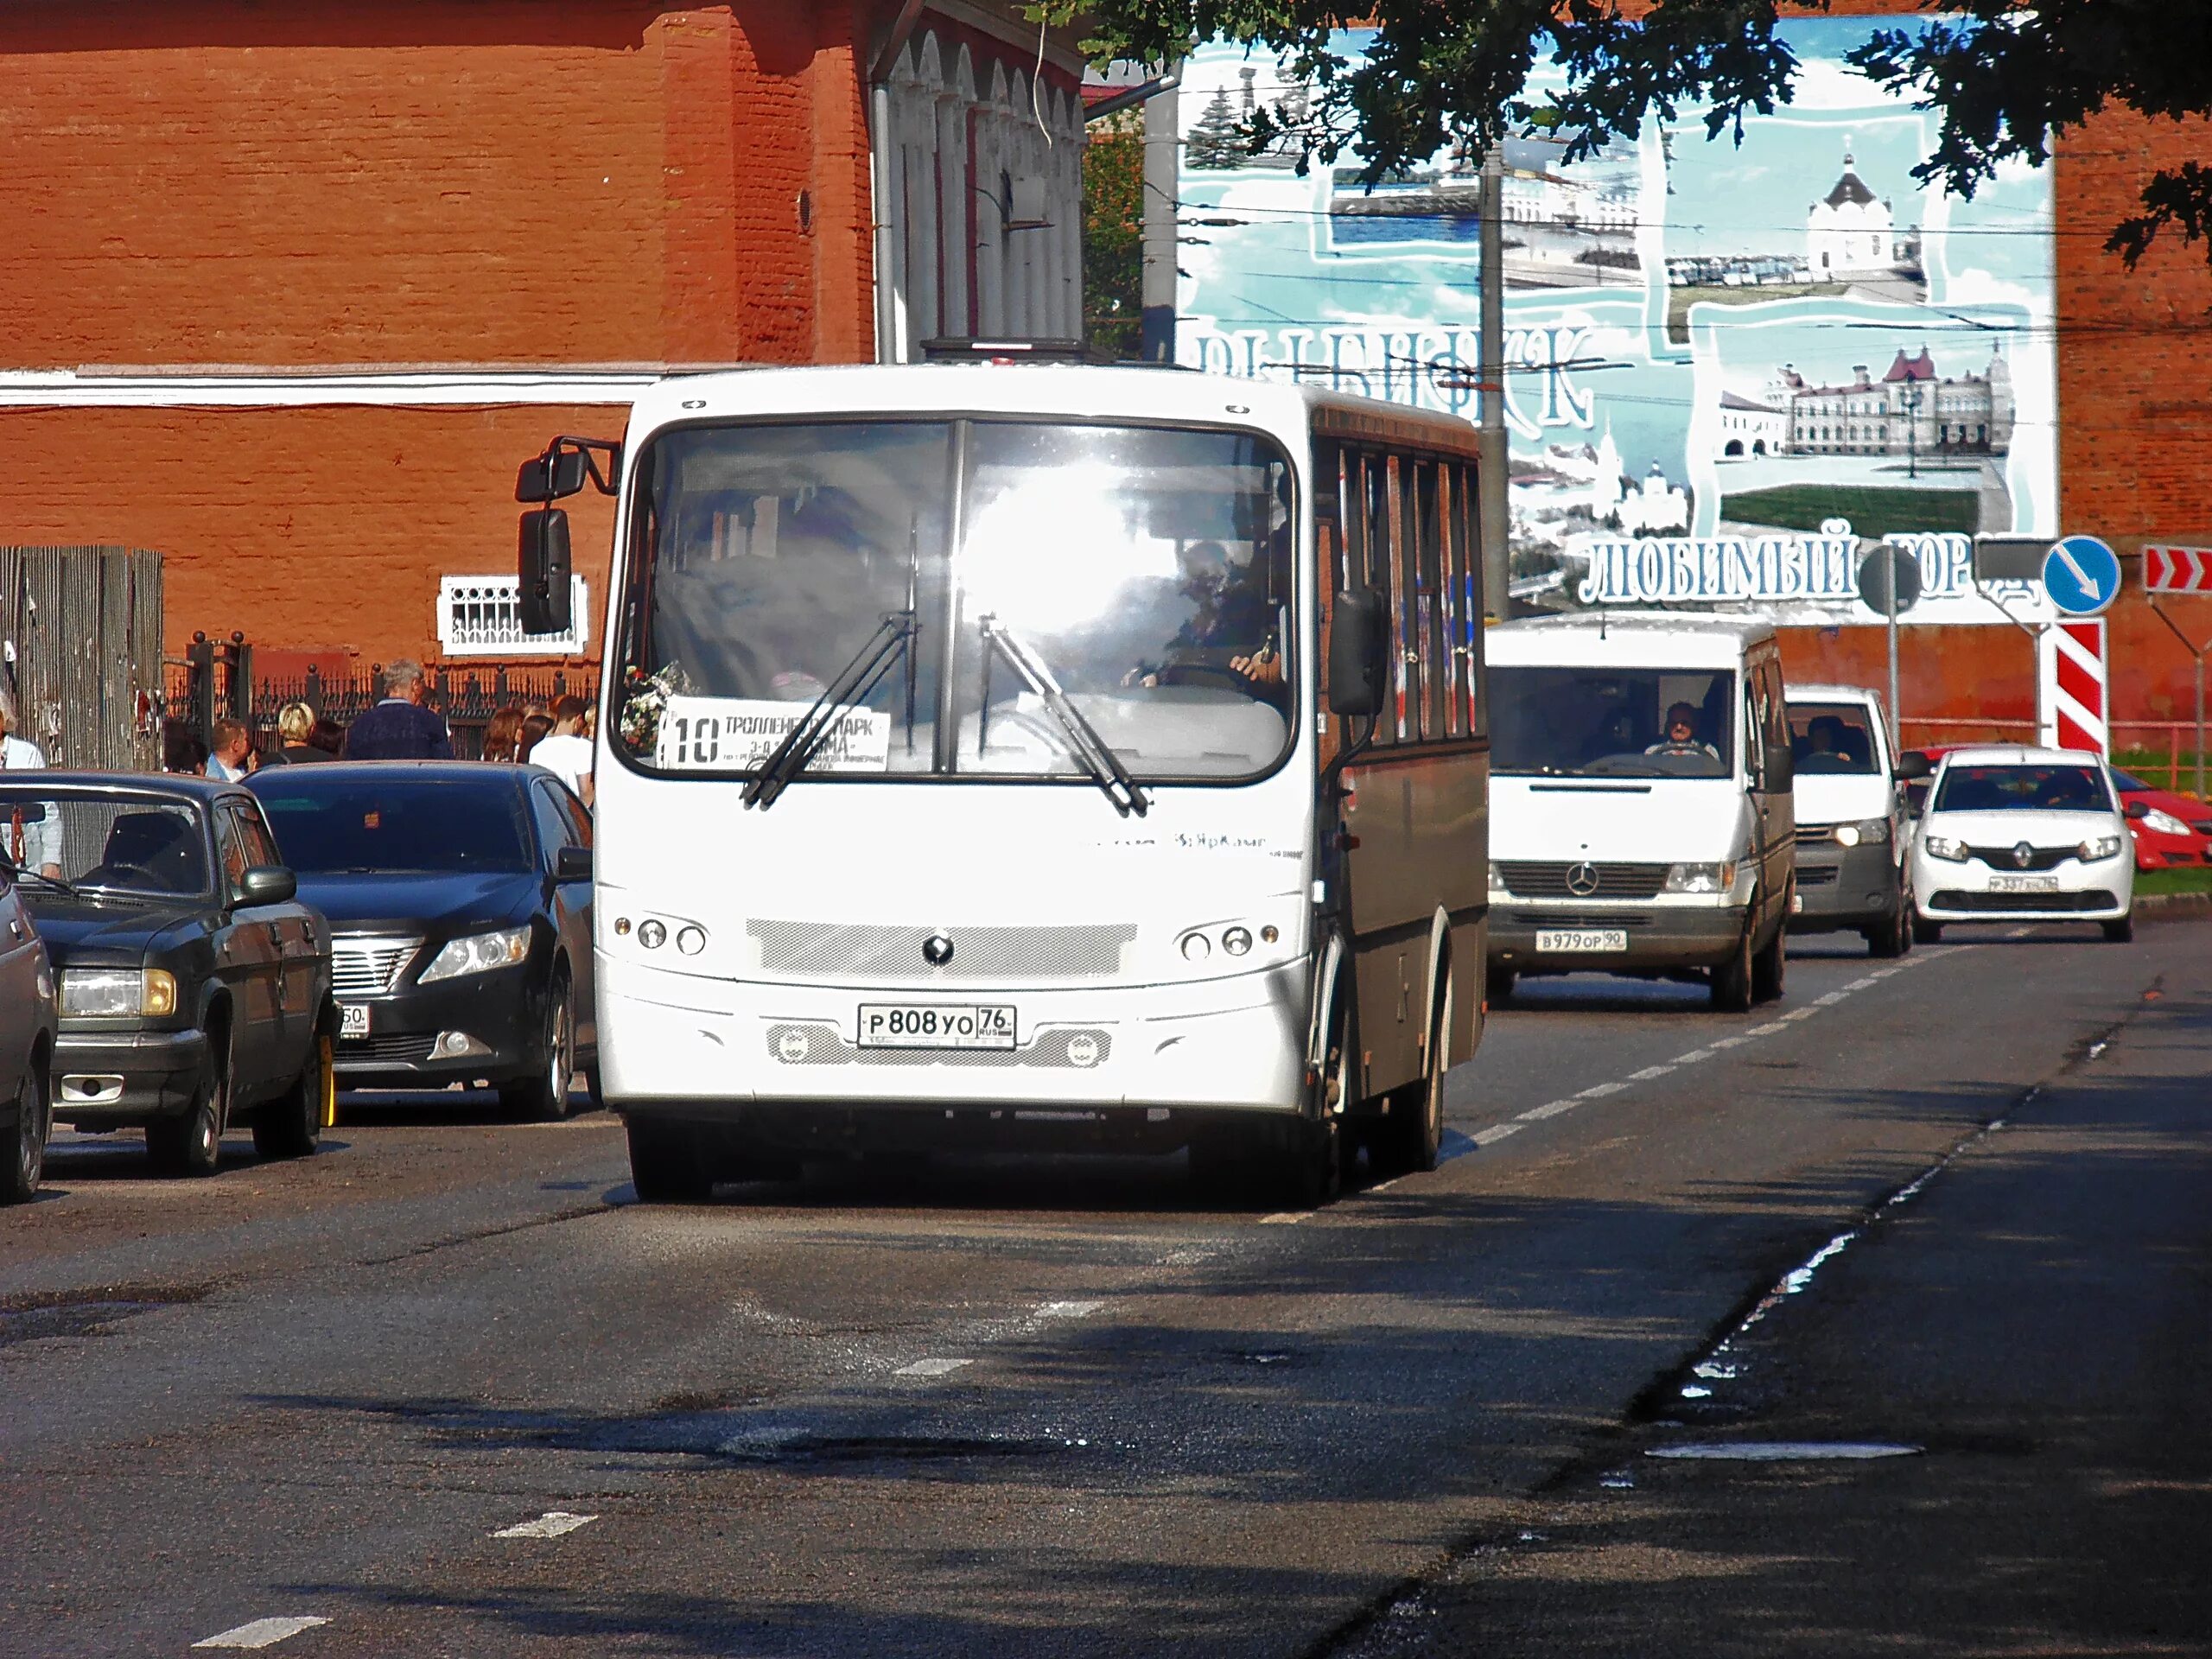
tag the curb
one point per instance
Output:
(2173, 906)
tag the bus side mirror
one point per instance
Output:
(1781, 769)
(1358, 653)
(549, 477)
(542, 564)
(1913, 764)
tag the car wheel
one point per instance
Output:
(2120, 930)
(191, 1143)
(1501, 984)
(1770, 967)
(544, 1095)
(669, 1164)
(1732, 979)
(20, 1174)
(289, 1126)
(1892, 935)
(1925, 932)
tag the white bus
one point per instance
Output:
(998, 756)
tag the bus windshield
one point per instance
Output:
(1605, 722)
(946, 579)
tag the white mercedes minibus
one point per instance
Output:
(995, 755)
(1641, 800)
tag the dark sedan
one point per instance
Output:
(459, 896)
(26, 1034)
(195, 985)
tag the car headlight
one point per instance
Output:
(1700, 878)
(1945, 847)
(95, 991)
(2165, 822)
(478, 953)
(2100, 848)
(1869, 832)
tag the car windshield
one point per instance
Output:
(1831, 737)
(109, 843)
(2022, 789)
(1611, 722)
(1143, 571)
(329, 820)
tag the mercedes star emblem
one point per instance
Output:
(937, 950)
(1582, 880)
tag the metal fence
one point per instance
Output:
(219, 682)
(80, 653)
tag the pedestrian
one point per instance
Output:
(534, 728)
(502, 735)
(400, 727)
(567, 754)
(327, 735)
(294, 726)
(231, 756)
(27, 842)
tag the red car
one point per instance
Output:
(2176, 829)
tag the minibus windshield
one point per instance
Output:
(950, 581)
(1611, 722)
(1831, 737)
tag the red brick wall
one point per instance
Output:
(306, 527)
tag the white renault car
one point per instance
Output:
(2023, 835)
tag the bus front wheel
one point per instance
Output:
(669, 1164)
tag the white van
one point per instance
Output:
(1641, 812)
(1852, 873)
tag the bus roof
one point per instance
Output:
(1627, 639)
(1069, 390)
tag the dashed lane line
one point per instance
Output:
(928, 1367)
(262, 1632)
(553, 1523)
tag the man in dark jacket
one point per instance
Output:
(399, 727)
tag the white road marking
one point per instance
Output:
(1552, 1108)
(1495, 1133)
(262, 1632)
(1694, 1057)
(1766, 1030)
(932, 1367)
(1599, 1090)
(1784, 1451)
(1866, 984)
(551, 1524)
(1830, 1000)
(1284, 1218)
(1727, 1042)
(1649, 1073)
(1068, 1309)
(1799, 1014)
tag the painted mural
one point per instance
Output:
(1730, 369)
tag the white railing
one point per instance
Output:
(480, 616)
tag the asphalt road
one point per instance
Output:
(1043, 1406)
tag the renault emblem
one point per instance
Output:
(937, 950)
(1582, 880)
(2024, 855)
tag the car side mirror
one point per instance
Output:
(542, 562)
(2137, 808)
(572, 864)
(267, 884)
(1913, 764)
(1358, 653)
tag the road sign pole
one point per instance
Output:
(1896, 715)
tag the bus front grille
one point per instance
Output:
(1581, 880)
(878, 955)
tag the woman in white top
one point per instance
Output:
(35, 844)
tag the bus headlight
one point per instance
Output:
(1236, 940)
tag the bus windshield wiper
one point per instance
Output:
(854, 683)
(1097, 756)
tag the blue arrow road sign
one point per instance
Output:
(2082, 576)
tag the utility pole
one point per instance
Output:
(1496, 519)
(1163, 152)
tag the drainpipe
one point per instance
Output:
(887, 186)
